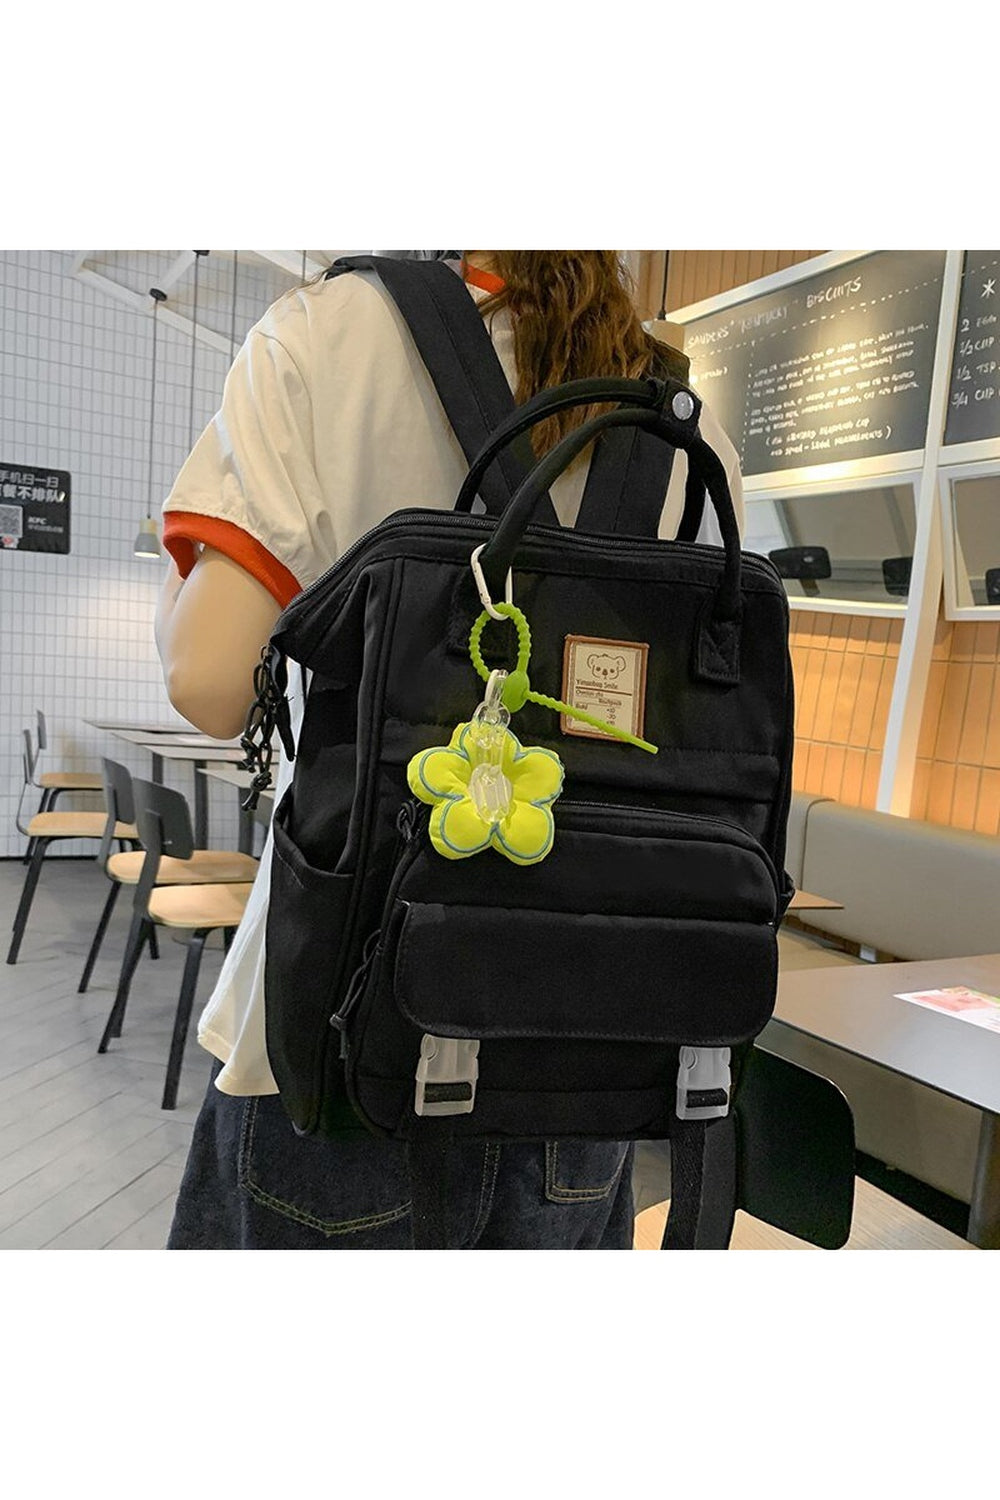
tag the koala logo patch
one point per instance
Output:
(606, 669)
(608, 680)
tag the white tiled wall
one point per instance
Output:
(76, 631)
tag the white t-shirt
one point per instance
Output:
(329, 423)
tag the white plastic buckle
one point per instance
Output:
(703, 1083)
(483, 587)
(446, 1075)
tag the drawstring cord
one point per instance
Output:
(258, 731)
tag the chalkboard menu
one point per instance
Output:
(831, 369)
(34, 509)
(974, 394)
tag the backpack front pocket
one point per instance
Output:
(679, 947)
(304, 941)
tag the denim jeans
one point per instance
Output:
(251, 1183)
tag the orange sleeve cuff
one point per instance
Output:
(484, 280)
(182, 529)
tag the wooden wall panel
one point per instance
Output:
(697, 274)
(957, 779)
(844, 668)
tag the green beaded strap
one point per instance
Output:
(517, 690)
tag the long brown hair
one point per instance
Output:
(573, 315)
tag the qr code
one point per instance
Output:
(11, 521)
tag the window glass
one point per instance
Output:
(852, 544)
(976, 531)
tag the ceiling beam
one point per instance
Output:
(141, 303)
(291, 261)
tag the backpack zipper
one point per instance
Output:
(412, 820)
(356, 988)
(589, 541)
(408, 826)
(734, 834)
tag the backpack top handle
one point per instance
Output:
(648, 393)
(716, 648)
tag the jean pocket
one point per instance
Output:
(353, 1189)
(582, 1171)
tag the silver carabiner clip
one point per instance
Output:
(483, 589)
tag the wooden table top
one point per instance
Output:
(806, 901)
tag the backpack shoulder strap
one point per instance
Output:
(630, 473)
(458, 352)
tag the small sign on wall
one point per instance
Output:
(34, 509)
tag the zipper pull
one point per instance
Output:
(356, 988)
(407, 820)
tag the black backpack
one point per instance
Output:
(610, 991)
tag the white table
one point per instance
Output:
(142, 728)
(158, 740)
(199, 756)
(854, 1007)
(243, 780)
(178, 743)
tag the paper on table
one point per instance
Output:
(965, 1004)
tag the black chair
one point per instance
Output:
(44, 829)
(53, 783)
(164, 823)
(803, 563)
(205, 866)
(896, 575)
(991, 578)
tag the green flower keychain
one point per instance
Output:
(487, 790)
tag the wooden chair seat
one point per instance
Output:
(167, 837)
(76, 825)
(71, 781)
(205, 867)
(198, 906)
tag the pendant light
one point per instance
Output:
(194, 344)
(661, 316)
(661, 327)
(147, 543)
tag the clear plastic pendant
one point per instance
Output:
(491, 793)
(489, 789)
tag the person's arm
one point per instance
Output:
(241, 528)
(210, 628)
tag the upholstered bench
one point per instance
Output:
(910, 890)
